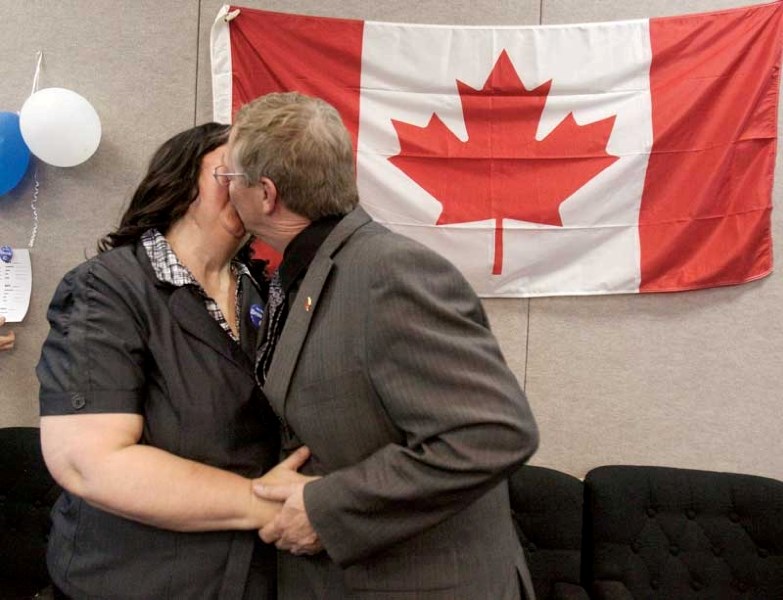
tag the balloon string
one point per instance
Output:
(34, 201)
(34, 206)
(37, 72)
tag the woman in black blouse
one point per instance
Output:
(151, 417)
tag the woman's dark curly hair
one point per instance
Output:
(170, 185)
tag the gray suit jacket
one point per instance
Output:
(387, 370)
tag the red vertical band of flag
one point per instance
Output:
(317, 56)
(705, 211)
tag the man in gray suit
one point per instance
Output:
(378, 356)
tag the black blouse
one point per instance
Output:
(123, 342)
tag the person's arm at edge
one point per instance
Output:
(6, 339)
(98, 457)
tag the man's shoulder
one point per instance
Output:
(383, 243)
(373, 243)
(366, 244)
(382, 237)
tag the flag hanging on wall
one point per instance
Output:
(619, 157)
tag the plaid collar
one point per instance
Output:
(169, 269)
(166, 265)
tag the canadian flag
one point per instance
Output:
(620, 157)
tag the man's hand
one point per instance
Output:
(6, 340)
(285, 472)
(291, 529)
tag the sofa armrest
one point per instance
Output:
(568, 591)
(611, 590)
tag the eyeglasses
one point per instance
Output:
(224, 177)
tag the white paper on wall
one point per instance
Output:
(16, 285)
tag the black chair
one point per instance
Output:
(546, 507)
(27, 493)
(658, 533)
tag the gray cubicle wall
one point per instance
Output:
(690, 379)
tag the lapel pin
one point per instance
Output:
(308, 304)
(256, 314)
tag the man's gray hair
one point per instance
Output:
(302, 145)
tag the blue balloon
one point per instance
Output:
(14, 153)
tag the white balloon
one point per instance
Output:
(60, 127)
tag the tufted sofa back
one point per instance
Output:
(658, 533)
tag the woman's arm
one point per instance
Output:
(98, 457)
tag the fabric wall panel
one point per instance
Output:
(135, 63)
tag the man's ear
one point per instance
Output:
(269, 199)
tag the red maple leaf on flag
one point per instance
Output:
(502, 171)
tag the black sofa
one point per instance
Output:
(625, 533)
(650, 533)
(547, 512)
(27, 493)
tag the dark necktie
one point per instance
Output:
(274, 325)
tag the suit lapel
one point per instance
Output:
(294, 333)
(189, 312)
(303, 308)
